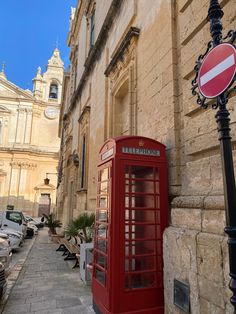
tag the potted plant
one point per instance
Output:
(83, 228)
(85, 224)
(72, 231)
(52, 223)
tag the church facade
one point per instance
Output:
(29, 140)
(131, 70)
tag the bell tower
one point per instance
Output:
(48, 86)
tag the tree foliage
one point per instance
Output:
(81, 227)
(52, 223)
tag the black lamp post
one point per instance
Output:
(215, 14)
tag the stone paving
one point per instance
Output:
(48, 284)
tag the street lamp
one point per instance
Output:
(47, 180)
(215, 14)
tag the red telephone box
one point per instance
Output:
(131, 215)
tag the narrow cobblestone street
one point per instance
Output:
(48, 284)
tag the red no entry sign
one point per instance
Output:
(217, 71)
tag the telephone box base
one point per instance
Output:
(156, 310)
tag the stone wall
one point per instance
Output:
(146, 62)
(195, 247)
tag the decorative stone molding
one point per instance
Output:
(202, 202)
(4, 110)
(55, 60)
(89, 8)
(85, 111)
(68, 140)
(45, 188)
(121, 72)
(125, 51)
(60, 171)
(66, 121)
(23, 165)
(21, 110)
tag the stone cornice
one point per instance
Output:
(29, 150)
(76, 22)
(133, 32)
(207, 202)
(26, 95)
(47, 187)
(96, 50)
(16, 99)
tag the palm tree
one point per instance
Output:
(72, 230)
(82, 227)
(52, 223)
(86, 223)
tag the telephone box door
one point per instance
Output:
(142, 220)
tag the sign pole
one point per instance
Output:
(215, 14)
(222, 119)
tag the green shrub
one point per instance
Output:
(82, 227)
(52, 223)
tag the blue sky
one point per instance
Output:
(29, 30)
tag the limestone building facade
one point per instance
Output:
(29, 141)
(131, 69)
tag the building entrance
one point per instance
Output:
(44, 204)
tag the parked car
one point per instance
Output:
(5, 236)
(15, 238)
(13, 219)
(5, 253)
(3, 282)
(29, 232)
(36, 221)
(32, 226)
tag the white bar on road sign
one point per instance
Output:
(219, 68)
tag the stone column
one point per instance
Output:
(35, 126)
(13, 184)
(22, 181)
(20, 125)
(13, 129)
(28, 125)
